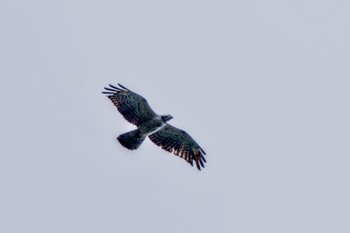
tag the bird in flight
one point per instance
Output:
(137, 111)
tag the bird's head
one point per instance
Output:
(166, 118)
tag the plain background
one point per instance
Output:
(263, 87)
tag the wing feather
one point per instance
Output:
(180, 143)
(132, 106)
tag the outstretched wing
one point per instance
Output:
(180, 143)
(132, 106)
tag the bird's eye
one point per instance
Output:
(158, 124)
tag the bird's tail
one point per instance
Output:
(131, 140)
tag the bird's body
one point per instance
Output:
(136, 110)
(133, 139)
(152, 125)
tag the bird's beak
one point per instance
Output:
(167, 118)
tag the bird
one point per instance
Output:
(136, 110)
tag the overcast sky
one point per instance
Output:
(262, 86)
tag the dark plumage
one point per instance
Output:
(136, 110)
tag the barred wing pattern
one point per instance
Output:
(132, 106)
(180, 143)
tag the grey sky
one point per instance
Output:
(263, 87)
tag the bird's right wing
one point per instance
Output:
(132, 106)
(180, 143)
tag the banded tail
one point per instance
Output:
(131, 140)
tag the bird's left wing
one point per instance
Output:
(132, 106)
(180, 143)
